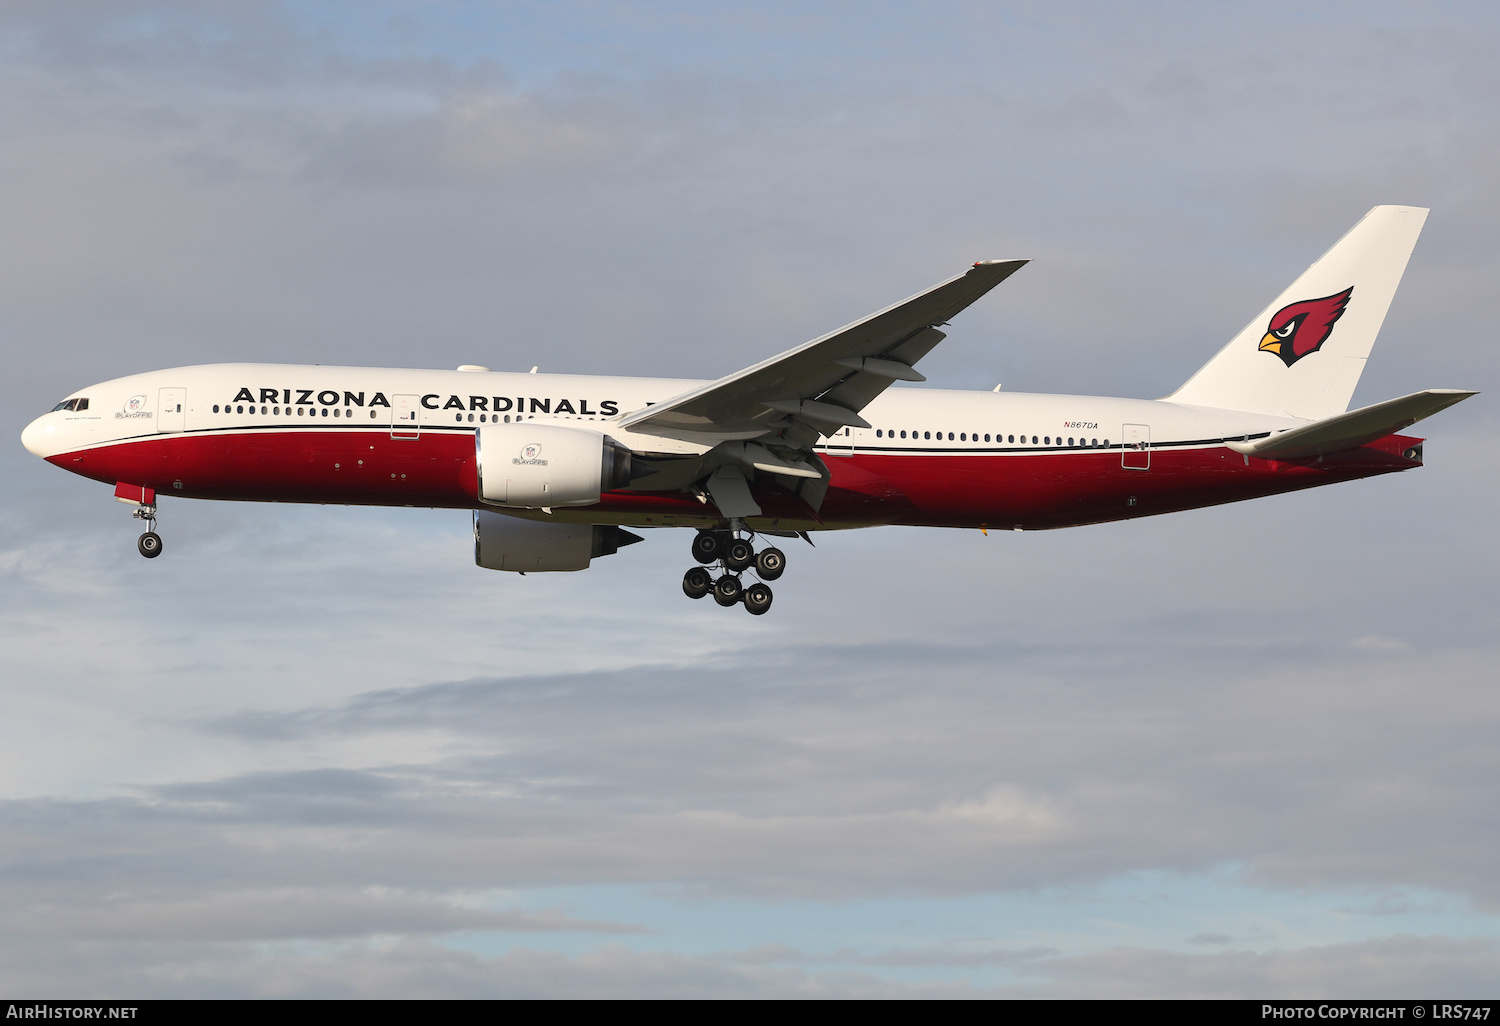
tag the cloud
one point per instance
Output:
(1372, 970)
(160, 916)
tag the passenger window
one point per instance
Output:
(962, 437)
(325, 411)
(216, 407)
(1033, 439)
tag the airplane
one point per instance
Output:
(556, 467)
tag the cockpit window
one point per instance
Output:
(75, 405)
(83, 404)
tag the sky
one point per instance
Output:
(1247, 751)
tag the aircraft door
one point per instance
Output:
(171, 409)
(1136, 454)
(405, 409)
(841, 444)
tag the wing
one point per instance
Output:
(820, 386)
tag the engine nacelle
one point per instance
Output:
(504, 542)
(531, 466)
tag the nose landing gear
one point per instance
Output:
(149, 543)
(735, 556)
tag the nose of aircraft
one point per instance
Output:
(38, 436)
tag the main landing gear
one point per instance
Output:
(732, 556)
(150, 542)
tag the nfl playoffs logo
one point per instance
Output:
(530, 456)
(134, 407)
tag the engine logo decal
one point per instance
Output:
(530, 456)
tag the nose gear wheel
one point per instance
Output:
(148, 544)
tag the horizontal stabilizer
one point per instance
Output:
(1353, 429)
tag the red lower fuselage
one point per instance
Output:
(999, 486)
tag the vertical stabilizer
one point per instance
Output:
(1303, 354)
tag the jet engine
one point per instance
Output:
(503, 542)
(532, 466)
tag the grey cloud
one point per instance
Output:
(485, 140)
(958, 957)
(1384, 968)
(827, 774)
(164, 916)
(413, 969)
(1458, 969)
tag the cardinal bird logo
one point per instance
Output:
(1302, 328)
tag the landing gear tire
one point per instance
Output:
(707, 547)
(770, 564)
(739, 554)
(696, 583)
(727, 590)
(757, 599)
(149, 544)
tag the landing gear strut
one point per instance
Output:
(734, 555)
(149, 543)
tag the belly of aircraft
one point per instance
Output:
(1031, 490)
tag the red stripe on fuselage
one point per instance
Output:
(1058, 488)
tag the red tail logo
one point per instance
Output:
(1302, 328)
